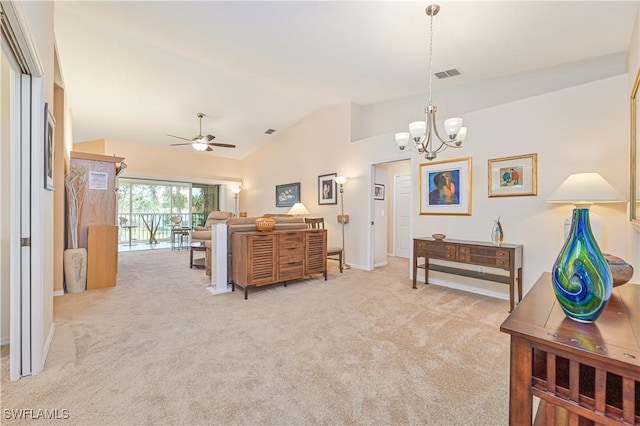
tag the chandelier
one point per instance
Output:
(420, 132)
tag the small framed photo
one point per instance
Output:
(513, 176)
(445, 187)
(49, 126)
(288, 194)
(378, 191)
(327, 189)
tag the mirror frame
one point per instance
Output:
(634, 153)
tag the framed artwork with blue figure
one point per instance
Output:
(445, 187)
(513, 176)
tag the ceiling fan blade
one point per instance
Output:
(221, 145)
(209, 149)
(179, 137)
(178, 144)
(209, 138)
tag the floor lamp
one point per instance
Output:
(236, 191)
(341, 180)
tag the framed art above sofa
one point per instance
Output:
(288, 194)
(327, 189)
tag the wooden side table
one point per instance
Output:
(507, 257)
(584, 374)
(199, 262)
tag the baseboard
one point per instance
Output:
(47, 345)
(4, 341)
(379, 264)
(58, 293)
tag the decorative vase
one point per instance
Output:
(75, 269)
(265, 224)
(497, 235)
(582, 279)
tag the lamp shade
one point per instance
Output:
(298, 209)
(584, 189)
(340, 180)
(236, 190)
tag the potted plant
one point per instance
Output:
(74, 258)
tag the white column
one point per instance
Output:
(219, 259)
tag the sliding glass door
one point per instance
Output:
(148, 210)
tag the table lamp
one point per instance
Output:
(581, 277)
(298, 209)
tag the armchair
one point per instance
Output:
(203, 233)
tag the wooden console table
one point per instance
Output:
(506, 256)
(584, 374)
(262, 258)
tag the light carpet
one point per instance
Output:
(362, 348)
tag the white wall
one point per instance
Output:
(39, 19)
(582, 128)
(380, 211)
(634, 66)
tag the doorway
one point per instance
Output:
(21, 190)
(390, 211)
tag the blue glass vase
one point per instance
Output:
(581, 276)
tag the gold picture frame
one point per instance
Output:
(513, 176)
(634, 158)
(445, 187)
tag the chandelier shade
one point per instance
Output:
(420, 132)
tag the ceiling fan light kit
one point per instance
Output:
(201, 143)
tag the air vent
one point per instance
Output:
(448, 73)
(270, 131)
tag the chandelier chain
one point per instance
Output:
(430, 56)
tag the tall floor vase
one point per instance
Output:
(582, 279)
(75, 269)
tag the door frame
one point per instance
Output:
(370, 205)
(27, 305)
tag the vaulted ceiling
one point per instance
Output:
(137, 71)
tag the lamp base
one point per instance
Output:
(581, 277)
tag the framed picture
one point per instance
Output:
(49, 125)
(513, 176)
(445, 187)
(287, 195)
(378, 191)
(327, 189)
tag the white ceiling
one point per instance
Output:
(136, 71)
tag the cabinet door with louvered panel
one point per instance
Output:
(254, 258)
(315, 251)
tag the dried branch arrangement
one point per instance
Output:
(75, 181)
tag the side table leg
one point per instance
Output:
(520, 395)
(190, 258)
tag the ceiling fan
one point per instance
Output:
(201, 143)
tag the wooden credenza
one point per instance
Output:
(262, 258)
(584, 374)
(506, 256)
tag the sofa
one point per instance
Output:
(247, 224)
(203, 233)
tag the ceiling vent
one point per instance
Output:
(448, 73)
(270, 131)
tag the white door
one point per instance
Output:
(17, 125)
(402, 214)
